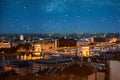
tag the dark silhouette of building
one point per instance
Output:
(66, 42)
(99, 39)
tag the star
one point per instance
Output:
(103, 20)
(24, 26)
(88, 10)
(119, 20)
(24, 7)
(64, 21)
(49, 21)
(66, 15)
(56, 23)
(44, 25)
(49, 10)
(64, 0)
(17, 20)
(28, 28)
(78, 17)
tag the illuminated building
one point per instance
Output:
(44, 45)
(21, 37)
(86, 51)
(37, 48)
(48, 45)
(56, 43)
(113, 40)
(5, 44)
(21, 49)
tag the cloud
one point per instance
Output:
(114, 3)
(55, 6)
(61, 6)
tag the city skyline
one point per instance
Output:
(59, 16)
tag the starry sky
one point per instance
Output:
(59, 16)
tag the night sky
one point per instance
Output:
(59, 16)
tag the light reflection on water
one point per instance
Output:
(28, 57)
(20, 57)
